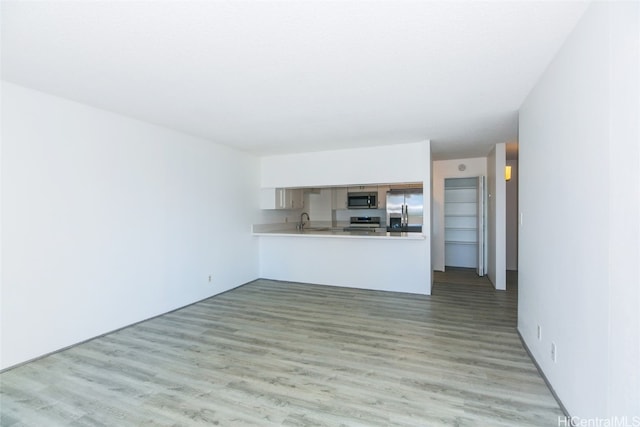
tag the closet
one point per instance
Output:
(464, 223)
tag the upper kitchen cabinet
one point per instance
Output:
(363, 189)
(281, 198)
(405, 186)
(339, 197)
(294, 198)
(382, 196)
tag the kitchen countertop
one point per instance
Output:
(339, 233)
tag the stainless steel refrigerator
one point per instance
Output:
(405, 210)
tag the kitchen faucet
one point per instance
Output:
(302, 223)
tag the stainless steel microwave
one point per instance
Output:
(363, 200)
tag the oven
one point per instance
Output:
(364, 223)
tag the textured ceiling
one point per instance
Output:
(294, 76)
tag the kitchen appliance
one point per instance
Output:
(364, 223)
(405, 210)
(362, 200)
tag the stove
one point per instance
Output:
(363, 223)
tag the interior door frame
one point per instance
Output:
(481, 198)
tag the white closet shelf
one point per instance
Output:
(460, 222)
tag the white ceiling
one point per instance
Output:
(292, 76)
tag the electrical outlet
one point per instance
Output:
(539, 333)
(554, 352)
(210, 276)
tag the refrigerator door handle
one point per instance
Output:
(406, 215)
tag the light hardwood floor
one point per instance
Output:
(276, 353)
(460, 275)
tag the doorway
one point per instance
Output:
(464, 224)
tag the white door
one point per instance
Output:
(481, 198)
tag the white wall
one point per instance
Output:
(442, 169)
(512, 216)
(344, 167)
(579, 241)
(107, 221)
(623, 395)
(496, 213)
(372, 165)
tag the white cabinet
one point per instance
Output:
(281, 198)
(293, 198)
(405, 186)
(339, 197)
(363, 189)
(382, 196)
(271, 198)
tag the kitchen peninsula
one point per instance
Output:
(319, 250)
(380, 262)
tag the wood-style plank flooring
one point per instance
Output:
(460, 275)
(276, 353)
